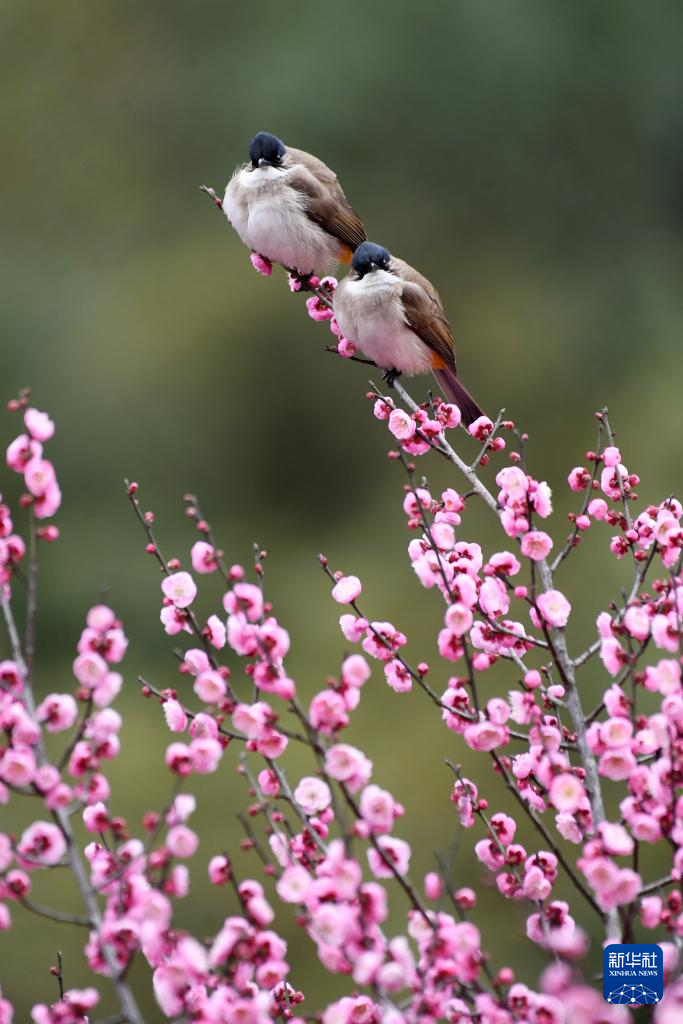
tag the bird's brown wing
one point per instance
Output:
(326, 203)
(424, 312)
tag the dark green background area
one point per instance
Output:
(526, 156)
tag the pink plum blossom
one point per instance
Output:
(346, 589)
(182, 841)
(41, 844)
(566, 792)
(261, 264)
(58, 711)
(536, 545)
(180, 589)
(38, 425)
(378, 808)
(554, 607)
(175, 716)
(203, 557)
(349, 765)
(401, 425)
(312, 795)
(391, 855)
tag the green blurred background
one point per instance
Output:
(526, 156)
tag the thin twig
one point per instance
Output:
(55, 915)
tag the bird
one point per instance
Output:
(288, 206)
(396, 317)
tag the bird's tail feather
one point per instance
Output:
(457, 393)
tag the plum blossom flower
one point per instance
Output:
(261, 263)
(245, 598)
(42, 844)
(39, 425)
(58, 711)
(251, 719)
(219, 870)
(210, 687)
(347, 764)
(615, 839)
(459, 619)
(294, 884)
(383, 641)
(17, 766)
(579, 478)
(96, 817)
(182, 841)
(328, 711)
(401, 425)
(216, 632)
(637, 622)
(566, 793)
(203, 557)
(345, 348)
(39, 476)
(355, 671)
(174, 621)
(175, 716)
(536, 545)
(378, 808)
(392, 851)
(346, 589)
(554, 607)
(180, 589)
(353, 627)
(312, 795)
(398, 676)
(481, 428)
(513, 483)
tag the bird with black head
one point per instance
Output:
(288, 206)
(396, 317)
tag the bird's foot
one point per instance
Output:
(301, 282)
(212, 195)
(391, 376)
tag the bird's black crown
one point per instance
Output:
(368, 257)
(266, 150)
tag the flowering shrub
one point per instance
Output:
(328, 844)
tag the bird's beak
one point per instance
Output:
(262, 162)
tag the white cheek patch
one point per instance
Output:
(260, 177)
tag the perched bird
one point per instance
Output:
(395, 316)
(288, 206)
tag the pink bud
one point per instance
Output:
(433, 886)
(261, 263)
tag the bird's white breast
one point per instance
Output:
(370, 313)
(270, 218)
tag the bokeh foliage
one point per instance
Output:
(527, 156)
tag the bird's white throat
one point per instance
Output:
(262, 178)
(375, 289)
